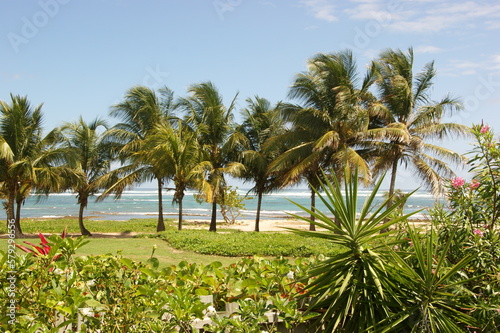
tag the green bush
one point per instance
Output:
(241, 243)
(54, 290)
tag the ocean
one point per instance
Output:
(143, 203)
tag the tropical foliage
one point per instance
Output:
(329, 123)
(407, 107)
(30, 161)
(141, 110)
(213, 123)
(404, 280)
(262, 122)
(375, 122)
(90, 157)
(58, 291)
(178, 152)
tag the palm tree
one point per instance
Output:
(93, 160)
(407, 106)
(213, 123)
(262, 121)
(140, 112)
(329, 124)
(28, 161)
(178, 151)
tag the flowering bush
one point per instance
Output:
(472, 225)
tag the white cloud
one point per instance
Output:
(495, 61)
(12, 76)
(426, 16)
(428, 49)
(466, 67)
(321, 9)
(311, 27)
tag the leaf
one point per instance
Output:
(127, 262)
(149, 272)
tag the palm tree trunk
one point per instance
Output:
(83, 230)
(392, 186)
(179, 225)
(257, 216)
(393, 180)
(18, 216)
(312, 227)
(161, 224)
(10, 211)
(213, 221)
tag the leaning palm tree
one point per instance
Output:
(407, 106)
(29, 161)
(262, 121)
(177, 150)
(140, 112)
(327, 126)
(93, 160)
(213, 123)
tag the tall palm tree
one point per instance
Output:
(262, 121)
(29, 161)
(328, 124)
(407, 106)
(213, 123)
(93, 160)
(177, 150)
(140, 112)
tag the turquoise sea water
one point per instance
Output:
(143, 202)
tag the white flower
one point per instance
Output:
(58, 271)
(91, 283)
(290, 275)
(210, 311)
(86, 311)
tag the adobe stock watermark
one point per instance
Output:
(155, 77)
(484, 90)
(223, 6)
(11, 309)
(31, 26)
(373, 28)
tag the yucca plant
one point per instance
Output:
(353, 289)
(432, 289)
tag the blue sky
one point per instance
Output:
(79, 57)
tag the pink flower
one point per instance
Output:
(485, 129)
(457, 182)
(474, 184)
(478, 232)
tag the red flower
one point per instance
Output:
(44, 249)
(474, 184)
(457, 182)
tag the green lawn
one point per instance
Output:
(226, 246)
(137, 249)
(33, 226)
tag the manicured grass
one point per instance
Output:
(139, 249)
(56, 226)
(196, 246)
